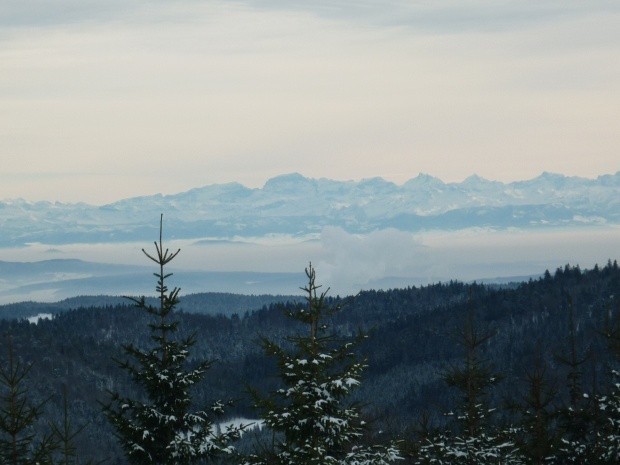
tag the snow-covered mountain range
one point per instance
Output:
(292, 204)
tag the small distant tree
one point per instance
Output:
(310, 420)
(476, 441)
(538, 439)
(19, 442)
(473, 379)
(578, 417)
(65, 435)
(161, 429)
(608, 435)
(608, 429)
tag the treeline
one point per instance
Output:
(209, 303)
(426, 347)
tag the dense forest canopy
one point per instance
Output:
(412, 344)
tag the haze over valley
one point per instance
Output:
(366, 234)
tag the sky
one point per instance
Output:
(107, 99)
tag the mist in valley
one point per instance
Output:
(346, 262)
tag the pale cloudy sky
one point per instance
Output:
(106, 99)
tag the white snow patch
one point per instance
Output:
(250, 424)
(41, 316)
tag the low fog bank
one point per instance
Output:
(354, 263)
(345, 262)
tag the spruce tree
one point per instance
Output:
(476, 441)
(578, 417)
(308, 415)
(473, 378)
(65, 435)
(538, 439)
(160, 428)
(608, 430)
(19, 442)
(608, 434)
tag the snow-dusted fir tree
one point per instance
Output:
(476, 441)
(609, 405)
(578, 419)
(607, 446)
(19, 443)
(160, 428)
(537, 438)
(310, 420)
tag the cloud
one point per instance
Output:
(352, 261)
(446, 16)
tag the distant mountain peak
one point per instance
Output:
(286, 180)
(224, 187)
(551, 175)
(426, 177)
(424, 180)
(375, 181)
(291, 204)
(474, 178)
(476, 181)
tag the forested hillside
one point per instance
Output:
(559, 321)
(210, 303)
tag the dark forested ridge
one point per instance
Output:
(210, 303)
(411, 345)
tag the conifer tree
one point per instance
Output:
(311, 422)
(476, 441)
(65, 435)
(473, 379)
(578, 417)
(538, 439)
(161, 429)
(608, 434)
(608, 431)
(19, 442)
